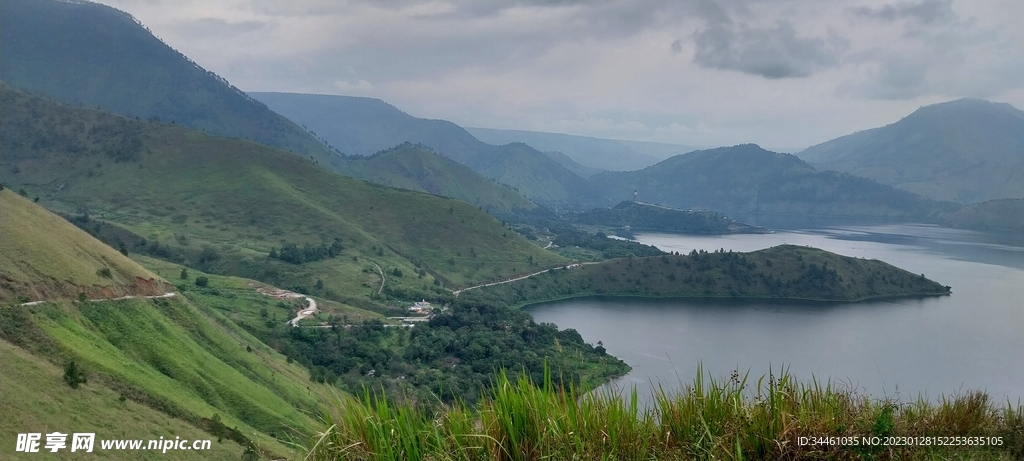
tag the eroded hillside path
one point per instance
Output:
(278, 293)
(522, 277)
(169, 294)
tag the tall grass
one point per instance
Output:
(733, 419)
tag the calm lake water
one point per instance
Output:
(973, 339)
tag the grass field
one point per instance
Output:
(62, 262)
(734, 419)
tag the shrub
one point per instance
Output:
(104, 272)
(202, 281)
(73, 375)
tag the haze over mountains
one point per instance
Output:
(967, 151)
(364, 126)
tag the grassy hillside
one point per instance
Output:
(222, 204)
(363, 126)
(418, 168)
(63, 262)
(967, 150)
(92, 55)
(785, 271)
(36, 399)
(178, 362)
(747, 178)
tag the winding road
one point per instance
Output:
(382, 279)
(306, 313)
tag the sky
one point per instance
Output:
(781, 73)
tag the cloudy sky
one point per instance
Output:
(781, 73)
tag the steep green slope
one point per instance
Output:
(363, 126)
(92, 55)
(413, 167)
(223, 204)
(967, 150)
(42, 257)
(36, 399)
(182, 360)
(747, 178)
(785, 271)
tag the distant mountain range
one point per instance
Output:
(966, 151)
(364, 126)
(602, 154)
(747, 178)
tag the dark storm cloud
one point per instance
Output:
(771, 52)
(925, 11)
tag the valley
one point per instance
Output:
(349, 264)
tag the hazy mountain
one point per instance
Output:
(747, 178)
(363, 126)
(605, 154)
(91, 55)
(967, 150)
(572, 165)
(413, 167)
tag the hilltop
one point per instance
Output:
(63, 262)
(91, 55)
(785, 271)
(747, 178)
(418, 168)
(968, 150)
(364, 126)
(223, 204)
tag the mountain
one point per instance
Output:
(604, 154)
(572, 165)
(91, 55)
(364, 126)
(153, 367)
(997, 215)
(747, 178)
(223, 204)
(631, 216)
(966, 151)
(62, 262)
(418, 168)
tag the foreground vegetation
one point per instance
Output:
(734, 419)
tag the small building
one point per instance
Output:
(420, 306)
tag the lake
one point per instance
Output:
(973, 339)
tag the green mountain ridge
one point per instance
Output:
(222, 204)
(91, 55)
(784, 272)
(968, 150)
(418, 168)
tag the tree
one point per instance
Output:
(319, 284)
(73, 375)
(184, 273)
(202, 281)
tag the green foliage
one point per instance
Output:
(795, 273)
(73, 375)
(202, 281)
(291, 252)
(735, 419)
(104, 272)
(609, 248)
(184, 274)
(449, 358)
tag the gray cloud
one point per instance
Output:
(925, 11)
(772, 52)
